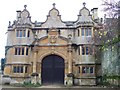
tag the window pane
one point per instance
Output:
(21, 71)
(87, 70)
(26, 51)
(18, 49)
(89, 32)
(82, 32)
(87, 50)
(22, 51)
(15, 51)
(24, 33)
(91, 69)
(26, 69)
(83, 69)
(83, 50)
(17, 33)
(14, 69)
(20, 33)
(86, 32)
(28, 35)
(18, 69)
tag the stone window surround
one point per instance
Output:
(86, 31)
(21, 50)
(85, 50)
(22, 33)
(17, 69)
(20, 69)
(88, 69)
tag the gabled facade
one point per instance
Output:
(54, 51)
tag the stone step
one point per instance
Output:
(63, 88)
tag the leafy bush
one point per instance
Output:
(105, 81)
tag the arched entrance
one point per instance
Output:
(52, 71)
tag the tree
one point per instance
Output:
(112, 7)
(109, 38)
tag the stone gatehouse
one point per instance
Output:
(54, 51)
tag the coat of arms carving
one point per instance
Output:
(53, 39)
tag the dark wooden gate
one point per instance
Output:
(53, 70)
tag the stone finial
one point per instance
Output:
(84, 4)
(25, 6)
(54, 5)
(9, 23)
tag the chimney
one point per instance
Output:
(94, 13)
(18, 14)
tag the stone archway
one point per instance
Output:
(52, 70)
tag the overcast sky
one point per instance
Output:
(69, 9)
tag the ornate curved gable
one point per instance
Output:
(53, 19)
(23, 17)
(84, 16)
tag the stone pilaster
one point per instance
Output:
(40, 78)
(69, 59)
(69, 77)
(34, 62)
(34, 79)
